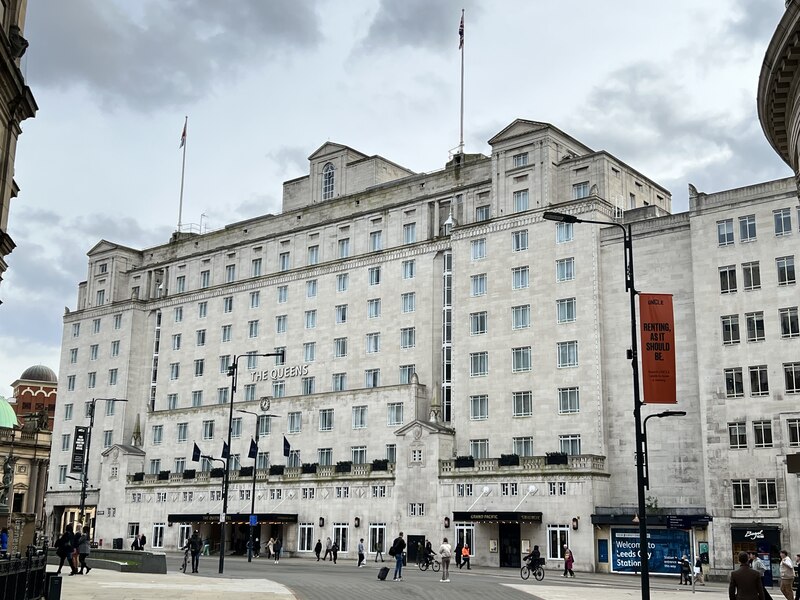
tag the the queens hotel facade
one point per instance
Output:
(454, 364)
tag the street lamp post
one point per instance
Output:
(632, 354)
(226, 478)
(661, 415)
(85, 474)
(264, 402)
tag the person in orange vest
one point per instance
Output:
(465, 557)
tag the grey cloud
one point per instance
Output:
(419, 23)
(167, 54)
(754, 21)
(641, 116)
(291, 160)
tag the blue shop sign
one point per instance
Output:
(664, 550)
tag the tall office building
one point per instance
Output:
(453, 363)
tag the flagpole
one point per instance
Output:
(183, 172)
(461, 138)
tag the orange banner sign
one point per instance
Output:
(657, 333)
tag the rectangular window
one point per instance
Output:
(339, 382)
(463, 489)
(767, 493)
(478, 285)
(568, 400)
(117, 321)
(520, 160)
(372, 378)
(565, 269)
(477, 323)
(509, 489)
(311, 319)
(522, 404)
(791, 373)
(199, 367)
(70, 383)
(482, 213)
(359, 417)
(762, 434)
(570, 444)
(306, 535)
(522, 446)
(197, 398)
(790, 327)
(734, 383)
(580, 190)
(178, 313)
(409, 269)
(230, 273)
(521, 359)
(340, 347)
(341, 313)
(409, 300)
(567, 354)
(373, 343)
(172, 401)
(93, 351)
(236, 427)
(183, 432)
(313, 255)
(727, 279)
(344, 247)
(91, 380)
(759, 381)
(325, 456)
(202, 310)
(200, 335)
(519, 240)
(252, 329)
(255, 267)
(294, 423)
(76, 329)
(391, 453)
(264, 425)
(280, 324)
(373, 308)
(730, 329)
(108, 438)
(68, 412)
(479, 407)
(96, 326)
(308, 386)
(205, 279)
(73, 356)
(725, 232)
(521, 316)
(783, 221)
(284, 262)
(737, 435)
(478, 249)
(208, 430)
(747, 228)
(406, 371)
(519, 278)
(342, 281)
(785, 265)
(112, 377)
(311, 288)
(478, 364)
(375, 241)
(176, 341)
(309, 351)
(409, 233)
(565, 310)
(794, 432)
(358, 455)
(755, 326)
(520, 200)
(65, 442)
(408, 337)
(374, 275)
(326, 419)
(564, 232)
(479, 448)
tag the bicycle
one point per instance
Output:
(185, 559)
(529, 568)
(431, 562)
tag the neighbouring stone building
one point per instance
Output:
(453, 363)
(16, 105)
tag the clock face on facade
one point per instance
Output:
(265, 402)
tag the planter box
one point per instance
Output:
(556, 458)
(344, 466)
(276, 469)
(218, 472)
(246, 472)
(138, 476)
(189, 474)
(462, 462)
(308, 468)
(380, 465)
(163, 476)
(509, 460)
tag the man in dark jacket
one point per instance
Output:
(745, 582)
(397, 549)
(64, 549)
(318, 549)
(195, 545)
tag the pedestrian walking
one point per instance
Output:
(787, 575)
(328, 546)
(445, 551)
(318, 549)
(465, 557)
(379, 550)
(76, 540)
(270, 547)
(194, 544)
(698, 571)
(745, 583)
(686, 571)
(397, 549)
(334, 551)
(758, 566)
(569, 561)
(277, 546)
(459, 548)
(64, 548)
(84, 544)
(361, 561)
(206, 547)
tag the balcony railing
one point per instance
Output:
(581, 463)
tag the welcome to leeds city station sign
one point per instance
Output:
(657, 333)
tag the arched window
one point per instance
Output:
(328, 172)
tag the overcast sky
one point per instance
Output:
(667, 87)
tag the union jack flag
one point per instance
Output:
(461, 32)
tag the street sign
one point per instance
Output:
(79, 450)
(679, 522)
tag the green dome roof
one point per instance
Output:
(8, 417)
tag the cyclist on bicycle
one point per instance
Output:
(533, 558)
(428, 553)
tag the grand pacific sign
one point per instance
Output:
(283, 372)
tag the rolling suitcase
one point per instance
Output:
(383, 573)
